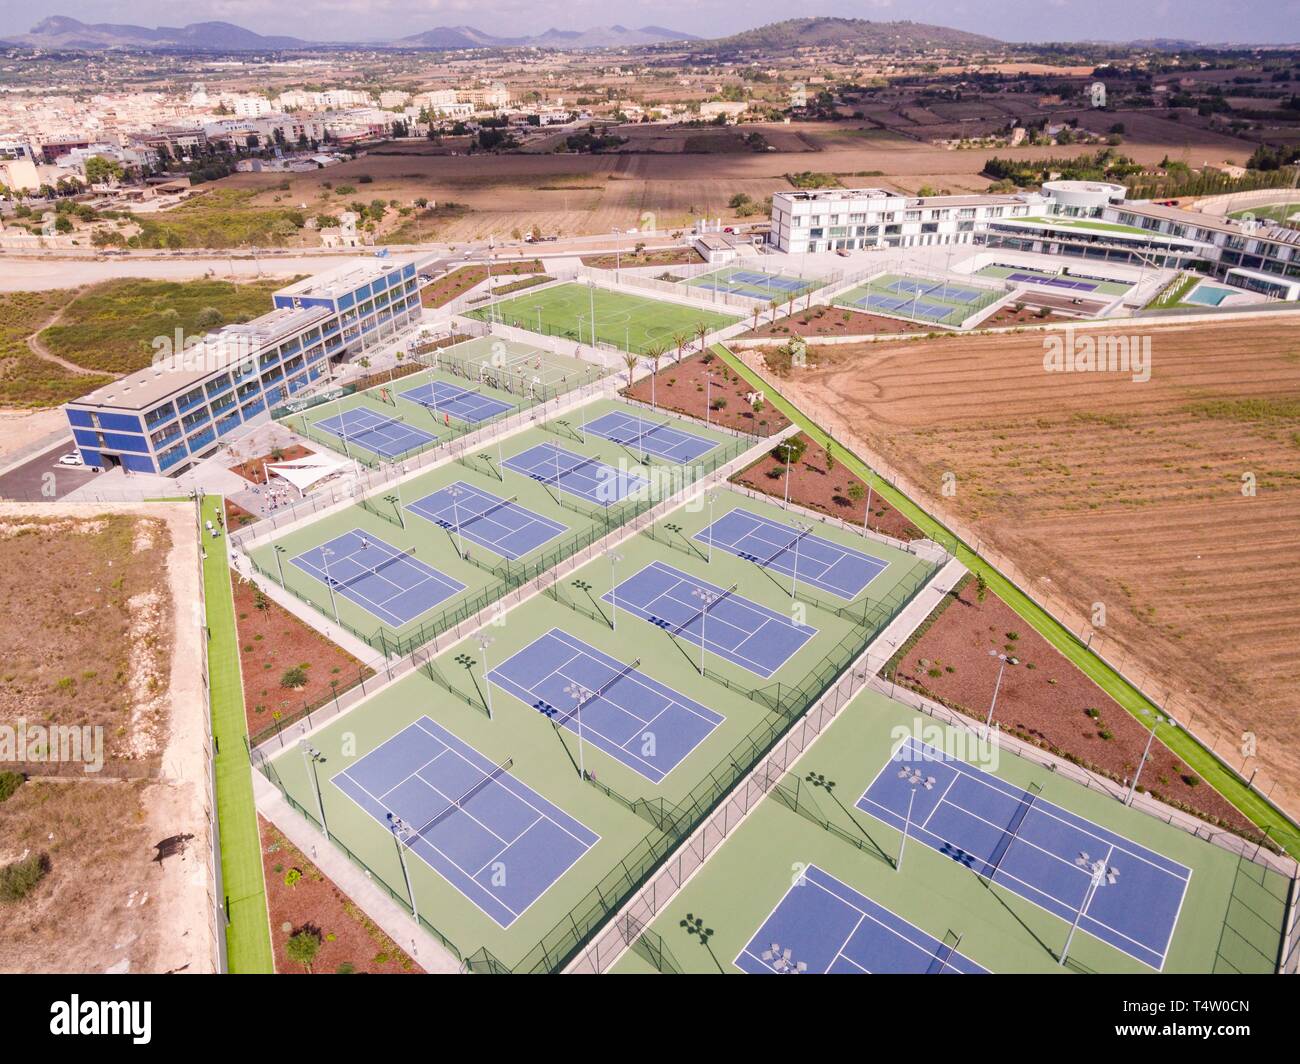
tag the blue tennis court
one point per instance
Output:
(802, 556)
(501, 525)
(824, 927)
(952, 293)
(910, 307)
(769, 280)
(662, 439)
(493, 838)
(1053, 281)
(388, 437)
(1036, 850)
(635, 719)
(587, 478)
(731, 626)
(442, 397)
(387, 583)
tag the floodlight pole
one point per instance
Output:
(400, 830)
(866, 514)
(310, 756)
(988, 723)
(794, 578)
(614, 559)
(279, 550)
(454, 492)
(325, 554)
(1155, 724)
(710, 498)
(907, 827)
(786, 448)
(579, 694)
(708, 395)
(485, 641)
(1098, 872)
(591, 295)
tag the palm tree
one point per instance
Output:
(701, 331)
(774, 305)
(654, 354)
(681, 340)
(757, 312)
(630, 360)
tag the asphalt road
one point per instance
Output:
(42, 479)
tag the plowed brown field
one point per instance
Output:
(1102, 490)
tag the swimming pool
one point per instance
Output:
(1207, 295)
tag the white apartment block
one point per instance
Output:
(852, 218)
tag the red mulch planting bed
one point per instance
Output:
(1044, 699)
(251, 468)
(667, 257)
(1009, 315)
(307, 900)
(272, 641)
(679, 386)
(456, 283)
(237, 517)
(817, 488)
(835, 321)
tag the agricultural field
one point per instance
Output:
(1150, 499)
(663, 178)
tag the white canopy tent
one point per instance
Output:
(302, 473)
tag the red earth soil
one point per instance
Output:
(300, 897)
(456, 283)
(814, 486)
(272, 641)
(833, 321)
(680, 387)
(1044, 699)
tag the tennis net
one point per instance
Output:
(555, 478)
(371, 570)
(579, 703)
(783, 548)
(708, 605)
(500, 504)
(459, 803)
(372, 428)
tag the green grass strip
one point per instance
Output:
(248, 936)
(1251, 803)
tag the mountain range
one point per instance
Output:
(61, 32)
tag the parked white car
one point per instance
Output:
(71, 458)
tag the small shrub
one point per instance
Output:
(19, 879)
(10, 782)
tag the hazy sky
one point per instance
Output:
(1266, 21)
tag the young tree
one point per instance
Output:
(303, 947)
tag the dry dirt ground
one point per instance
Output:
(100, 627)
(1101, 490)
(665, 178)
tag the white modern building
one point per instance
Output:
(852, 218)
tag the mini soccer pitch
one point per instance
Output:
(629, 322)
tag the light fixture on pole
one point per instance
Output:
(711, 498)
(614, 559)
(800, 528)
(1003, 659)
(1160, 718)
(401, 832)
(708, 598)
(311, 756)
(325, 554)
(579, 694)
(1100, 874)
(455, 491)
(279, 564)
(485, 641)
(914, 778)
